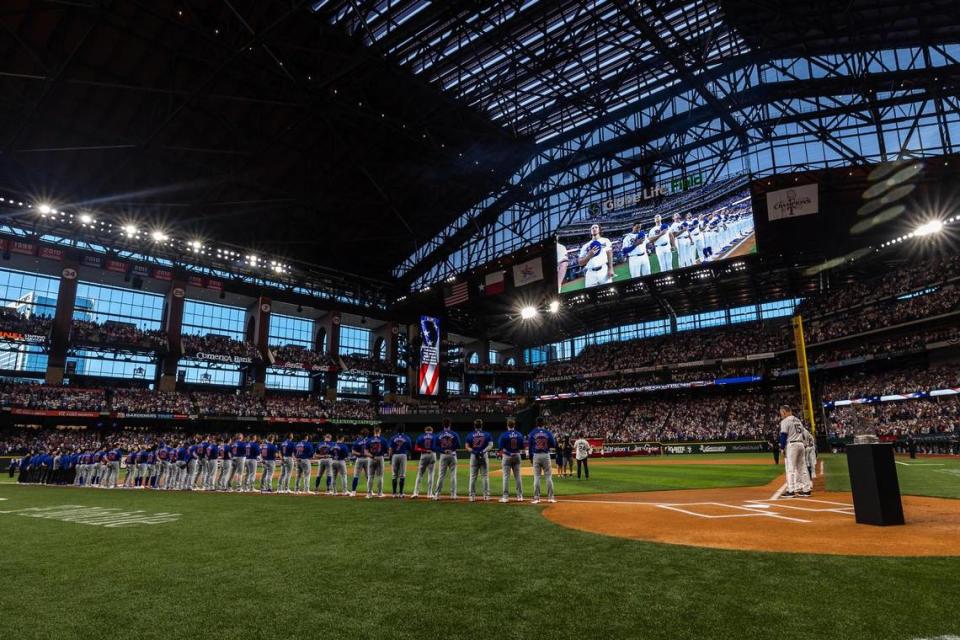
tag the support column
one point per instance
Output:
(62, 322)
(333, 342)
(173, 326)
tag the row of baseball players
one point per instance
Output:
(223, 464)
(695, 239)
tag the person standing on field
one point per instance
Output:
(793, 437)
(448, 441)
(375, 449)
(400, 445)
(479, 444)
(339, 453)
(540, 442)
(510, 446)
(268, 453)
(582, 451)
(428, 461)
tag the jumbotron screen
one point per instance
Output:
(627, 238)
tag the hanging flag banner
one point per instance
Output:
(493, 283)
(527, 272)
(428, 378)
(92, 261)
(801, 200)
(116, 266)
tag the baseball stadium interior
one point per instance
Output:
(681, 277)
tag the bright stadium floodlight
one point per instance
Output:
(158, 236)
(86, 218)
(528, 312)
(554, 306)
(929, 228)
(130, 229)
(44, 209)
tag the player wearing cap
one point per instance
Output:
(540, 442)
(448, 441)
(510, 445)
(304, 454)
(479, 443)
(339, 453)
(324, 470)
(360, 460)
(596, 258)
(251, 454)
(400, 445)
(428, 461)
(235, 463)
(374, 450)
(793, 435)
(268, 454)
(662, 243)
(634, 248)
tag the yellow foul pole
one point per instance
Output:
(801, 346)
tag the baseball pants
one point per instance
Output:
(541, 468)
(375, 476)
(227, 470)
(798, 478)
(303, 475)
(266, 480)
(113, 473)
(448, 464)
(80, 471)
(324, 469)
(236, 473)
(428, 463)
(144, 476)
(358, 465)
(664, 257)
(193, 468)
(511, 465)
(249, 474)
(585, 465)
(479, 466)
(213, 474)
(810, 454)
(639, 265)
(287, 465)
(597, 277)
(339, 473)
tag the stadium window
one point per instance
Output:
(222, 376)
(493, 356)
(686, 323)
(746, 313)
(352, 386)
(29, 295)
(474, 358)
(101, 304)
(201, 318)
(778, 308)
(109, 365)
(290, 330)
(511, 362)
(474, 389)
(355, 341)
(454, 387)
(289, 380)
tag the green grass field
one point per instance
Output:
(937, 477)
(296, 567)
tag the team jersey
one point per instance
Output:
(634, 244)
(400, 443)
(268, 451)
(288, 448)
(237, 448)
(162, 454)
(358, 446)
(131, 458)
(323, 448)
(304, 450)
(541, 441)
(251, 449)
(582, 449)
(510, 442)
(561, 253)
(448, 441)
(212, 451)
(377, 446)
(339, 451)
(183, 453)
(663, 239)
(479, 442)
(426, 442)
(599, 260)
(793, 428)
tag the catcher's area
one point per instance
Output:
(752, 518)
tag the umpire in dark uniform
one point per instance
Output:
(775, 448)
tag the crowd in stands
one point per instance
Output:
(117, 334)
(13, 321)
(902, 381)
(451, 406)
(53, 398)
(292, 354)
(623, 381)
(219, 345)
(144, 401)
(474, 367)
(910, 277)
(919, 418)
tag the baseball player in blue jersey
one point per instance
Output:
(214, 465)
(448, 441)
(339, 453)
(304, 454)
(238, 455)
(131, 461)
(634, 249)
(268, 453)
(324, 468)
(428, 461)
(479, 444)
(204, 465)
(113, 457)
(400, 445)
(251, 456)
(288, 462)
(360, 460)
(510, 445)
(541, 441)
(194, 462)
(376, 447)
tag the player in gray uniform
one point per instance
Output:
(479, 443)
(375, 449)
(360, 461)
(428, 461)
(340, 453)
(288, 463)
(237, 462)
(448, 441)
(324, 464)
(510, 445)
(251, 453)
(400, 446)
(793, 436)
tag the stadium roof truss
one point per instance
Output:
(620, 94)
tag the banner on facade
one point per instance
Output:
(428, 378)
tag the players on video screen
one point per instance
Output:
(656, 244)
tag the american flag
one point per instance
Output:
(455, 294)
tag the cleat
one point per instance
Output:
(437, 497)
(504, 499)
(472, 499)
(788, 494)
(551, 500)
(519, 498)
(414, 496)
(804, 494)
(369, 496)
(535, 501)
